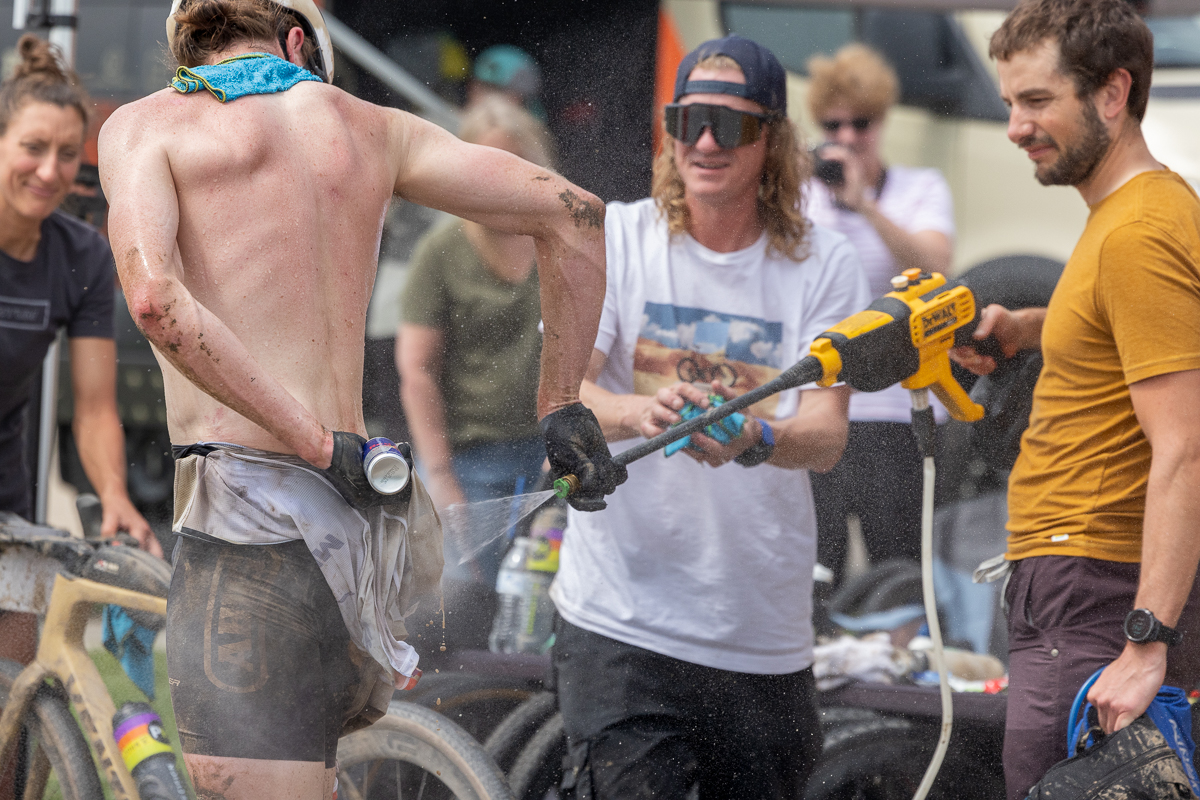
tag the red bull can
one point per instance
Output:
(387, 470)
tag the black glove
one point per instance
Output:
(576, 446)
(348, 477)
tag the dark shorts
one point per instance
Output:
(640, 725)
(260, 663)
(1065, 621)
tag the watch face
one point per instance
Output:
(1139, 625)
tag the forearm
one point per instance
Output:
(815, 439)
(911, 250)
(619, 415)
(1028, 331)
(571, 274)
(1170, 540)
(424, 408)
(101, 445)
(207, 353)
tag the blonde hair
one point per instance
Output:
(495, 113)
(857, 76)
(41, 77)
(780, 191)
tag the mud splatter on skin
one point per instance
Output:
(210, 780)
(541, 177)
(204, 348)
(582, 212)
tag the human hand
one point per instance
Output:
(714, 453)
(1127, 686)
(576, 446)
(120, 515)
(851, 193)
(347, 475)
(663, 409)
(1002, 325)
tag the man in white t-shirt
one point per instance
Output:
(896, 218)
(684, 653)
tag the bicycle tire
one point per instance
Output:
(505, 743)
(51, 730)
(478, 703)
(425, 751)
(885, 759)
(539, 766)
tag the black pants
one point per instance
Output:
(641, 725)
(879, 480)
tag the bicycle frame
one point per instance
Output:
(61, 655)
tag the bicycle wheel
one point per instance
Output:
(505, 743)
(885, 759)
(413, 753)
(477, 703)
(539, 767)
(51, 751)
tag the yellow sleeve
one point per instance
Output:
(1148, 288)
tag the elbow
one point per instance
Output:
(581, 213)
(154, 314)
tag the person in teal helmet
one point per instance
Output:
(509, 71)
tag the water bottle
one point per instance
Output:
(147, 753)
(525, 619)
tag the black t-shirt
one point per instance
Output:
(69, 283)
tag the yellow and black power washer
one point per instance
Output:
(903, 337)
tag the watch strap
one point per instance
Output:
(760, 451)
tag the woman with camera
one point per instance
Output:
(897, 218)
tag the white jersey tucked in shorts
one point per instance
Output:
(708, 565)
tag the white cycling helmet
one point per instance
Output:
(308, 12)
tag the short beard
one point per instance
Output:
(1076, 164)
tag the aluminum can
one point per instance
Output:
(386, 468)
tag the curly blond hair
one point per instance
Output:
(780, 193)
(857, 76)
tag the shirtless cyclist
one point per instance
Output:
(247, 202)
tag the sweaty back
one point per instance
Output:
(1127, 308)
(281, 203)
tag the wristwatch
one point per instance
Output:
(760, 452)
(1141, 627)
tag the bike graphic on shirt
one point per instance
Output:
(696, 345)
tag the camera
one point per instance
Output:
(827, 170)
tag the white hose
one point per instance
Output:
(920, 398)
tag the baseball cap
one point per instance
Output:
(766, 82)
(510, 68)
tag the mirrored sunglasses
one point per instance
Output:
(859, 124)
(730, 127)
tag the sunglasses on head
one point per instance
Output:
(730, 127)
(859, 124)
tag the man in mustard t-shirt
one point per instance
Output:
(1104, 501)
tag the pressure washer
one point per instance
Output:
(903, 337)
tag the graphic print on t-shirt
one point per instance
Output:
(24, 314)
(699, 346)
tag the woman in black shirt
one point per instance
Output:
(54, 272)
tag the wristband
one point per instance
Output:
(760, 452)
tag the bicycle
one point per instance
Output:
(689, 371)
(411, 752)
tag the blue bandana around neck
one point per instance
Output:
(252, 73)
